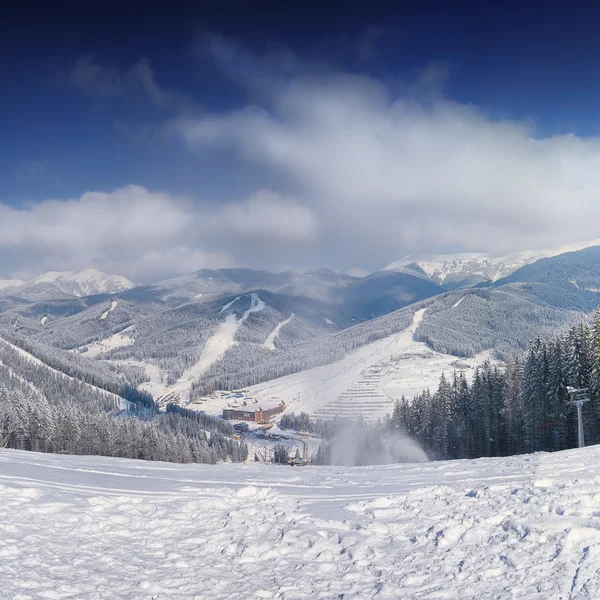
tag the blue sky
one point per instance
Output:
(279, 135)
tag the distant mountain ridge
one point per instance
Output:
(65, 284)
(455, 271)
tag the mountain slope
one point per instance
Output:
(573, 271)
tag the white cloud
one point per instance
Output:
(267, 215)
(387, 173)
(145, 235)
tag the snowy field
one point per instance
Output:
(524, 527)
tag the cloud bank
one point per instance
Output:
(390, 170)
(146, 235)
(355, 172)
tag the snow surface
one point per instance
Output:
(270, 341)
(156, 386)
(118, 340)
(215, 348)
(458, 302)
(113, 305)
(367, 381)
(525, 527)
(226, 306)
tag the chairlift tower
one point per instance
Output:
(578, 397)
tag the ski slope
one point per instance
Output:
(525, 527)
(367, 381)
(270, 341)
(215, 348)
(113, 305)
(117, 340)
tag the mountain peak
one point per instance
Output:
(68, 283)
(469, 269)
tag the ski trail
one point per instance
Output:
(457, 304)
(229, 304)
(215, 348)
(368, 380)
(113, 305)
(270, 341)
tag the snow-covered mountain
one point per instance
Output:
(467, 270)
(57, 284)
(10, 283)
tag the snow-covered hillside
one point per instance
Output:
(91, 527)
(465, 270)
(68, 283)
(368, 381)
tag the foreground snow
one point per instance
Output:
(88, 527)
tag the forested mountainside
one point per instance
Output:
(201, 340)
(503, 319)
(247, 364)
(571, 271)
(59, 367)
(52, 403)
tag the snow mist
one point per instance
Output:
(357, 445)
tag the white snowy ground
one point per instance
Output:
(525, 527)
(396, 365)
(118, 340)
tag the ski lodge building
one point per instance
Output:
(255, 412)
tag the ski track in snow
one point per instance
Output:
(215, 348)
(270, 341)
(525, 527)
(457, 304)
(229, 304)
(121, 402)
(113, 305)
